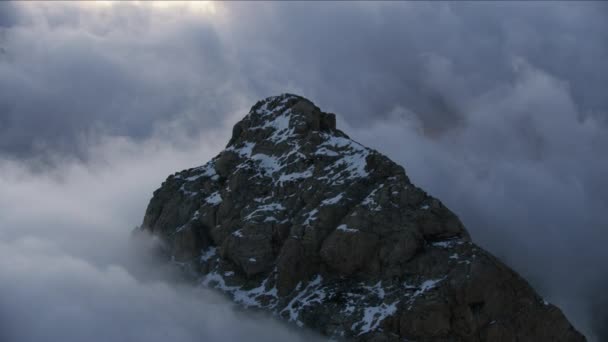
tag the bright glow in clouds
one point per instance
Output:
(200, 7)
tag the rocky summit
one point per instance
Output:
(296, 218)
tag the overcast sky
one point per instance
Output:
(499, 109)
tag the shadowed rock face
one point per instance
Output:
(297, 218)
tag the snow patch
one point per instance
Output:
(296, 175)
(373, 316)
(310, 216)
(370, 202)
(333, 200)
(269, 164)
(207, 170)
(447, 243)
(352, 163)
(214, 199)
(323, 151)
(244, 151)
(265, 208)
(311, 294)
(425, 286)
(346, 229)
(247, 298)
(377, 289)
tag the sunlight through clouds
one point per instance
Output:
(201, 7)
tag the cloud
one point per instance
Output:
(48, 295)
(71, 74)
(127, 68)
(498, 109)
(71, 271)
(526, 180)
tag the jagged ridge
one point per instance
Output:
(297, 218)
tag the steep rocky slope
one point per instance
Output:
(297, 218)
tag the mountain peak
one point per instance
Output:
(281, 117)
(297, 218)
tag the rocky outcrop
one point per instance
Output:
(297, 218)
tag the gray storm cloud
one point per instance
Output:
(496, 108)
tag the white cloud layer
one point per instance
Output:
(71, 272)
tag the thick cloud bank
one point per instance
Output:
(530, 187)
(499, 109)
(71, 272)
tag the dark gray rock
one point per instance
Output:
(297, 218)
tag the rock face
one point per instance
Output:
(297, 218)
